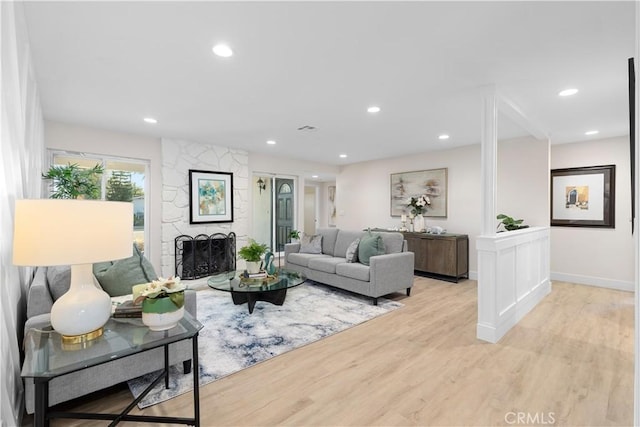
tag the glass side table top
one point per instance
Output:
(232, 281)
(47, 356)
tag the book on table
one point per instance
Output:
(128, 309)
(258, 275)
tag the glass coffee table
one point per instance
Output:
(271, 289)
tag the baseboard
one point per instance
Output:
(601, 282)
(473, 275)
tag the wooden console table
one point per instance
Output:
(441, 256)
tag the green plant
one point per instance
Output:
(253, 251)
(294, 234)
(509, 223)
(71, 181)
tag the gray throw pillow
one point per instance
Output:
(370, 245)
(352, 251)
(311, 244)
(117, 278)
(59, 280)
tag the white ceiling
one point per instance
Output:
(111, 64)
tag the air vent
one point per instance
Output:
(307, 128)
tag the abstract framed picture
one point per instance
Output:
(583, 197)
(210, 197)
(431, 182)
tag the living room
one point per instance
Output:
(588, 256)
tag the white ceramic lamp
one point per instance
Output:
(52, 232)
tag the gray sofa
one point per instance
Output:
(49, 284)
(385, 274)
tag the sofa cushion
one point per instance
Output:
(325, 264)
(59, 280)
(352, 251)
(371, 244)
(311, 244)
(117, 278)
(354, 271)
(344, 239)
(328, 239)
(393, 242)
(303, 259)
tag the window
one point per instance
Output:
(123, 180)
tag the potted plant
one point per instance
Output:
(252, 253)
(294, 235)
(509, 223)
(72, 182)
(162, 302)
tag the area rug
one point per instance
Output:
(232, 339)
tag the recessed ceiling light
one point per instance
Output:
(222, 50)
(591, 132)
(443, 136)
(373, 109)
(314, 176)
(271, 142)
(568, 92)
(150, 120)
(343, 156)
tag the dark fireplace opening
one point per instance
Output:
(204, 255)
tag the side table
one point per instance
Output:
(46, 357)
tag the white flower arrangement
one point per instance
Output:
(161, 288)
(419, 203)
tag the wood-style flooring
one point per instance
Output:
(568, 362)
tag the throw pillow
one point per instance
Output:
(311, 244)
(352, 251)
(117, 278)
(370, 245)
(59, 280)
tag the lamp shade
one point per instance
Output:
(62, 232)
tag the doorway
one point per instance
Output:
(284, 211)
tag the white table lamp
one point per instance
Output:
(51, 232)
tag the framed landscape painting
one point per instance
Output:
(583, 197)
(210, 197)
(432, 183)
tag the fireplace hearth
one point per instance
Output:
(204, 255)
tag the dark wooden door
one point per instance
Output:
(284, 211)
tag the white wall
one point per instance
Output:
(21, 159)
(596, 256)
(62, 136)
(523, 180)
(363, 192)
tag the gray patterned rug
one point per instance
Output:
(310, 312)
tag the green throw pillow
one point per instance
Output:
(117, 277)
(370, 245)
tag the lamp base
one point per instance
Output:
(84, 309)
(82, 338)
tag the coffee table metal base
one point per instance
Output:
(276, 297)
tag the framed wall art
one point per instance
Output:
(210, 197)
(432, 183)
(583, 197)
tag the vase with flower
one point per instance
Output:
(162, 302)
(418, 205)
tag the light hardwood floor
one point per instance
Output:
(568, 362)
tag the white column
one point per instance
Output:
(489, 168)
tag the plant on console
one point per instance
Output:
(509, 223)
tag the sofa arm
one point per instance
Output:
(391, 272)
(290, 248)
(39, 299)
